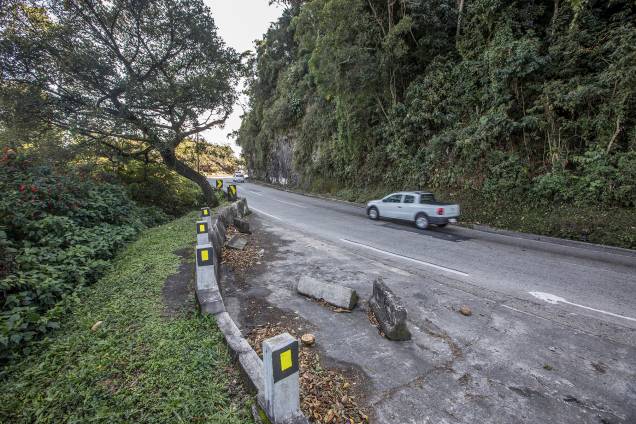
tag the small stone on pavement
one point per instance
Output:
(465, 310)
(308, 339)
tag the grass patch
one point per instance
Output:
(139, 365)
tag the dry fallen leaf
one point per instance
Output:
(325, 394)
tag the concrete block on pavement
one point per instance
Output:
(340, 296)
(242, 225)
(389, 311)
(237, 242)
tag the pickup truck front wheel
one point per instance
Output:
(421, 221)
(373, 213)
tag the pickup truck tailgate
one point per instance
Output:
(451, 210)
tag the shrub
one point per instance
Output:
(58, 232)
(154, 185)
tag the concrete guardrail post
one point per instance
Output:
(203, 235)
(207, 288)
(280, 372)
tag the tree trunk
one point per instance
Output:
(460, 10)
(171, 161)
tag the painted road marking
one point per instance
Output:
(289, 203)
(552, 299)
(264, 213)
(395, 255)
(279, 201)
(524, 312)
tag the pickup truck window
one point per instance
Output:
(427, 198)
(409, 199)
(393, 199)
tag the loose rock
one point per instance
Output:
(465, 310)
(96, 326)
(308, 339)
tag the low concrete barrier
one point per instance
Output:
(207, 289)
(276, 400)
(340, 296)
(389, 311)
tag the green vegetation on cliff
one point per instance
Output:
(527, 105)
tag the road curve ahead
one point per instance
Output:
(592, 284)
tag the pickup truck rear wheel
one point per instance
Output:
(373, 213)
(421, 221)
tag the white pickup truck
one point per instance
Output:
(415, 206)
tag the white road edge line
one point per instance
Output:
(289, 203)
(524, 312)
(553, 299)
(264, 213)
(256, 193)
(395, 255)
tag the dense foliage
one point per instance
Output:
(532, 101)
(58, 231)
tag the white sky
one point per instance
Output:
(240, 22)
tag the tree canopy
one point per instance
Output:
(138, 77)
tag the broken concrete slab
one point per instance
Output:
(340, 296)
(237, 242)
(389, 311)
(242, 225)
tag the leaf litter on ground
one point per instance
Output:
(241, 260)
(326, 395)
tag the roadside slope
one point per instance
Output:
(147, 362)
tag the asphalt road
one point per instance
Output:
(595, 284)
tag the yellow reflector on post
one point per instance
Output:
(201, 228)
(286, 360)
(204, 255)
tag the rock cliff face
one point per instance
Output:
(279, 169)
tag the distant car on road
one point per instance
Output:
(415, 206)
(238, 177)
